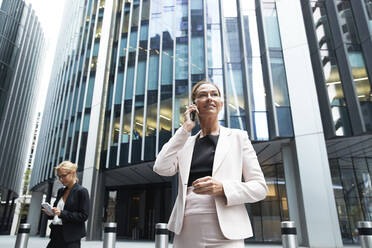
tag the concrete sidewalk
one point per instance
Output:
(37, 242)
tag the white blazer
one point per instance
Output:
(234, 158)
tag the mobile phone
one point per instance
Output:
(192, 115)
(47, 207)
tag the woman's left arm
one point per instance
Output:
(254, 187)
(82, 213)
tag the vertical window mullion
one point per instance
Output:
(148, 48)
(112, 120)
(134, 83)
(75, 81)
(83, 114)
(124, 83)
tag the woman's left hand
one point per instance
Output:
(56, 211)
(208, 186)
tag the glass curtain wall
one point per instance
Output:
(128, 86)
(277, 67)
(156, 33)
(112, 111)
(335, 90)
(351, 178)
(161, 54)
(181, 28)
(254, 77)
(234, 82)
(82, 76)
(356, 59)
(10, 20)
(139, 92)
(266, 215)
(88, 81)
(164, 116)
(196, 24)
(214, 50)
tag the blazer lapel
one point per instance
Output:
(185, 158)
(71, 192)
(223, 147)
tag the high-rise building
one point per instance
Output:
(21, 52)
(294, 74)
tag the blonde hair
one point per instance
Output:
(68, 166)
(200, 83)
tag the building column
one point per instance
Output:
(92, 176)
(34, 211)
(315, 213)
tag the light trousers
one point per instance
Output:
(200, 227)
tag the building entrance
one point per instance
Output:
(137, 208)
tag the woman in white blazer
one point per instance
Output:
(209, 210)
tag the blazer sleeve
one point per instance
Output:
(82, 213)
(166, 163)
(254, 187)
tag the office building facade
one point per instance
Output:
(295, 76)
(21, 51)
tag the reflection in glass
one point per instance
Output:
(165, 114)
(115, 81)
(279, 78)
(181, 60)
(356, 60)
(128, 86)
(153, 75)
(267, 214)
(233, 52)
(331, 74)
(197, 40)
(214, 53)
(137, 132)
(254, 77)
(351, 178)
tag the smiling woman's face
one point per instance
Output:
(208, 100)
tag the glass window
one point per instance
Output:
(351, 178)
(165, 114)
(153, 76)
(267, 214)
(335, 91)
(138, 124)
(356, 60)
(181, 60)
(197, 39)
(279, 78)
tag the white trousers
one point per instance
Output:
(200, 227)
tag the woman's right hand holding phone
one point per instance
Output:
(188, 123)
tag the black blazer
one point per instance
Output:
(74, 213)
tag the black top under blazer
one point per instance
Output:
(74, 213)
